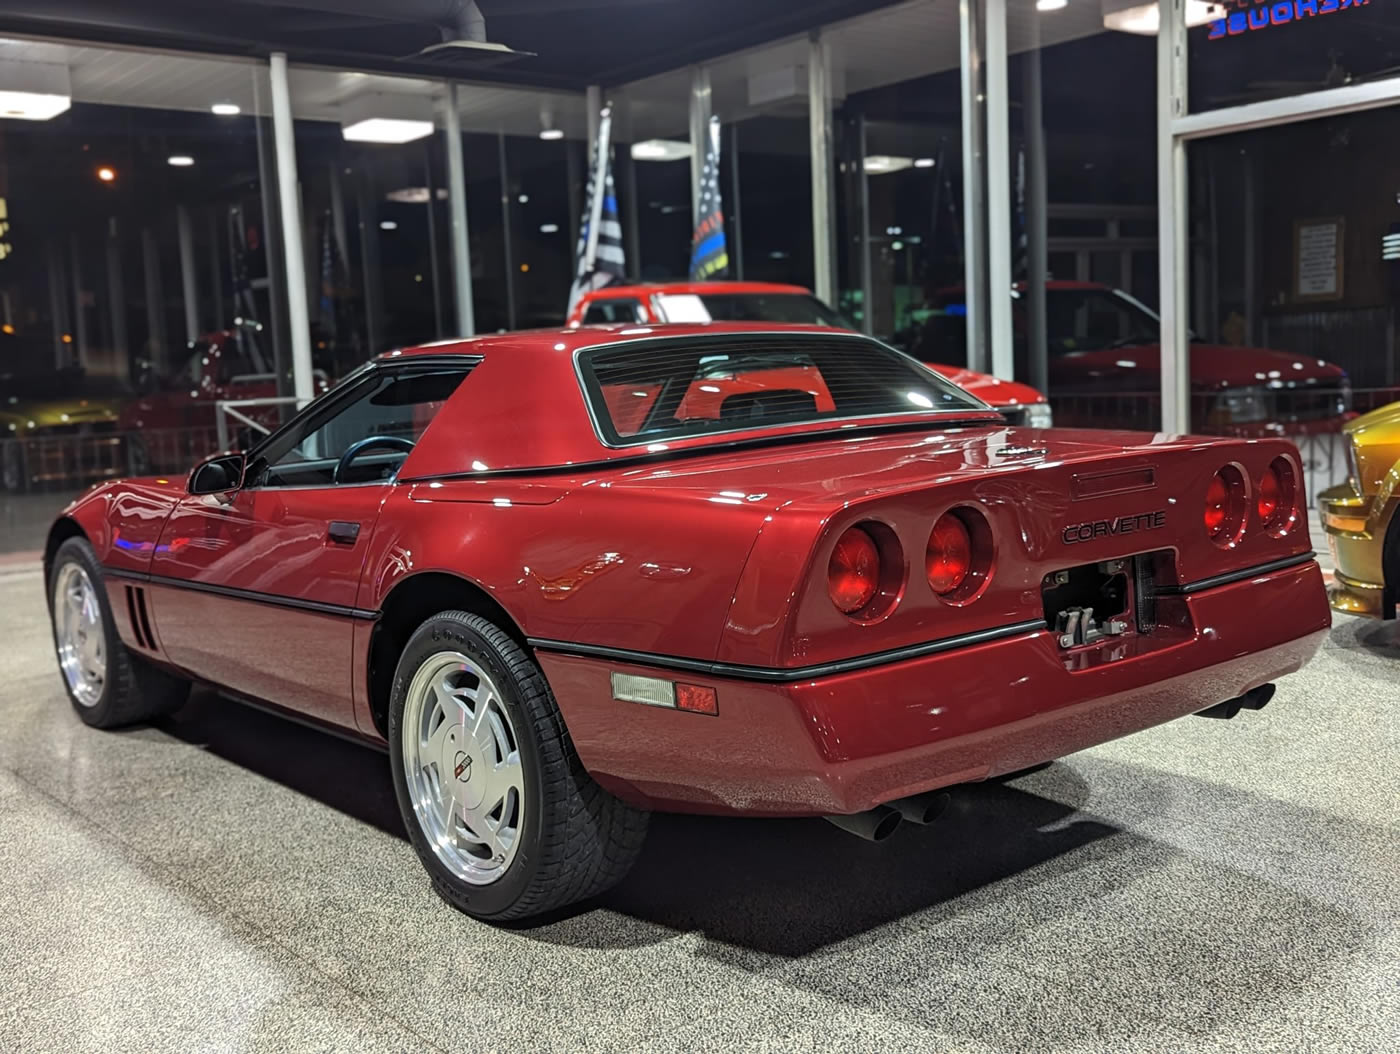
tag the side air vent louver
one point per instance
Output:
(140, 619)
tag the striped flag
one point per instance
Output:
(600, 257)
(709, 258)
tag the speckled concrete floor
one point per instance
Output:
(228, 881)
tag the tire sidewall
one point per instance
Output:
(450, 633)
(78, 551)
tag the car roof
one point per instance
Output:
(683, 285)
(497, 422)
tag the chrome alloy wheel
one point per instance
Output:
(79, 634)
(461, 762)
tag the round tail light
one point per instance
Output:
(853, 575)
(1278, 497)
(949, 556)
(1225, 507)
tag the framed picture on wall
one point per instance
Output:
(1318, 270)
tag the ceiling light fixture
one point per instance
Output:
(883, 164)
(1051, 5)
(378, 117)
(388, 225)
(1134, 16)
(226, 109)
(660, 150)
(179, 160)
(107, 174)
(551, 133)
(549, 228)
(923, 162)
(34, 91)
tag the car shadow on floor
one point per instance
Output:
(777, 887)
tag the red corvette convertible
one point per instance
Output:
(558, 613)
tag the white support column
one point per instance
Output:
(1171, 212)
(999, 248)
(700, 110)
(593, 105)
(457, 208)
(298, 313)
(973, 147)
(1037, 226)
(189, 287)
(819, 126)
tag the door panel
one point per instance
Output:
(269, 607)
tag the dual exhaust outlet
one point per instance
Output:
(882, 821)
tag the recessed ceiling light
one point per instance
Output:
(386, 130)
(226, 109)
(180, 160)
(551, 133)
(660, 150)
(926, 162)
(34, 91)
(388, 225)
(1051, 5)
(107, 174)
(549, 228)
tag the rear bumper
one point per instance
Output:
(1356, 528)
(849, 742)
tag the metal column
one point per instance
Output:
(867, 274)
(973, 150)
(736, 222)
(819, 127)
(438, 331)
(79, 312)
(116, 290)
(216, 271)
(156, 341)
(298, 313)
(1171, 212)
(700, 111)
(189, 286)
(58, 302)
(505, 230)
(999, 247)
(457, 202)
(1037, 226)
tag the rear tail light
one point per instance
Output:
(949, 557)
(1225, 507)
(1278, 497)
(853, 575)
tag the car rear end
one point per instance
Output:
(964, 605)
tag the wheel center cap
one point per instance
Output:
(461, 766)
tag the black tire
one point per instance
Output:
(576, 839)
(133, 690)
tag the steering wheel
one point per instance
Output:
(368, 443)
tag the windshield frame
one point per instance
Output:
(607, 434)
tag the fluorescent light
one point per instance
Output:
(1133, 16)
(179, 160)
(388, 225)
(386, 130)
(34, 91)
(1051, 5)
(660, 150)
(551, 133)
(881, 164)
(380, 117)
(928, 162)
(226, 109)
(414, 195)
(549, 228)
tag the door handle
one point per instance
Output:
(343, 532)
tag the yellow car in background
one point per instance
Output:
(58, 429)
(1359, 517)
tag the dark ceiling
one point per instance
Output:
(575, 42)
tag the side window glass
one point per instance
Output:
(620, 310)
(361, 438)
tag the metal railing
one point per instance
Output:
(226, 410)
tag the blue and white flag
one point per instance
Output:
(600, 256)
(709, 256)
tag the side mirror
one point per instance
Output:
(217, 475)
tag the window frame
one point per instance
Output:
(326, 407)
(609, 437)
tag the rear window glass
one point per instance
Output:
(645, 391)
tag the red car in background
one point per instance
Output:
(176, 416)
(1105, 367)
(556, 619)
(686, 301)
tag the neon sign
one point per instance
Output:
(1265, 14)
